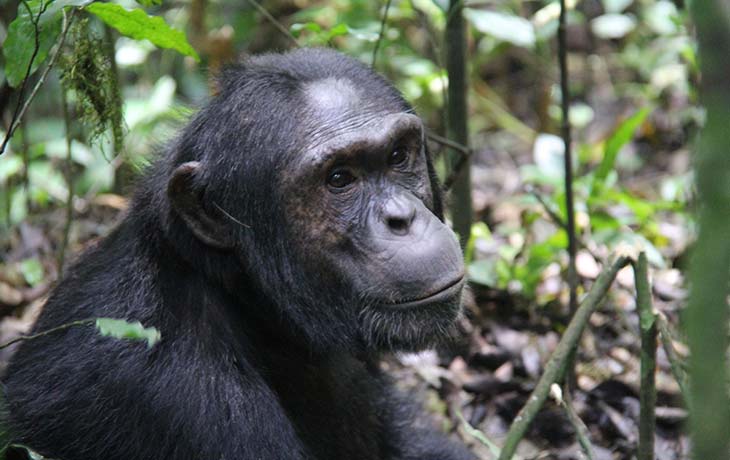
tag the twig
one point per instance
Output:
(18, 116)
(382, 31)
(275, 22)
(581, 430)
(647, 390)
(459, 165)
(478, 435)
(675, 362)
(546, 206)
(455, 171)
(559, 358)
(81, 322)
(448, 143)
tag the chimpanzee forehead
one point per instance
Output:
(332, 94)
(336, 106)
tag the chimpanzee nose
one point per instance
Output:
(398, 214)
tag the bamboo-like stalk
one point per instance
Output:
(559, 358)
(456, 120)
(707, 312)
(647, 391)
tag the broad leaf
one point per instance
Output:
(32, 271)
(20, 43)
(122, 329)
(620, 137)
(138, 25)
(613, 26)
(505, 27)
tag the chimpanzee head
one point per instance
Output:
(307, 180)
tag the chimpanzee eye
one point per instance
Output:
(340, 178)
(398, 156)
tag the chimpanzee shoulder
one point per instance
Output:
(289, 236)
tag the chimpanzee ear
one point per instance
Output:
(186, 198)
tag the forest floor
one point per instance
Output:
(487, 374)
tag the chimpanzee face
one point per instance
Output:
(343, 233)
(362, 206)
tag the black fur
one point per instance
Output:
(252, 363)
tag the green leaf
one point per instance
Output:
(150, 2)
(32, 271)
(620, 137)
(138, 25)
(483, 272)
(10, 166)
(505, 27)
(20, 43)
(121, 329)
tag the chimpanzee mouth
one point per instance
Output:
(447, 292)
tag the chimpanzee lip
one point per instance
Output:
(446, 292)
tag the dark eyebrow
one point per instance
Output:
(361, 145)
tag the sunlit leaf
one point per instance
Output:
(616, 6)
(9, 166)
(505, 27)
(548, 152)
(122, 329)
(613, 26)
(32, 271)
(483, 272)
(661, 17)
(138, 25)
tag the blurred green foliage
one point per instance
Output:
(632, 65)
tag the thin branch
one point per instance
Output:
(460, 164)
(647, 389)
(464, 150)
(275, 22)
(557, 220)
(82, 322)
(581, 430)
(455, 172)
(18, 116)
(382, 31)
(568, 159)
(558, 360)
(675, 362)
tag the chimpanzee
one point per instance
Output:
(288, 237)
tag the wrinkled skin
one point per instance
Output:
(290, 235)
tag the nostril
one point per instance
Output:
(398, 225)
